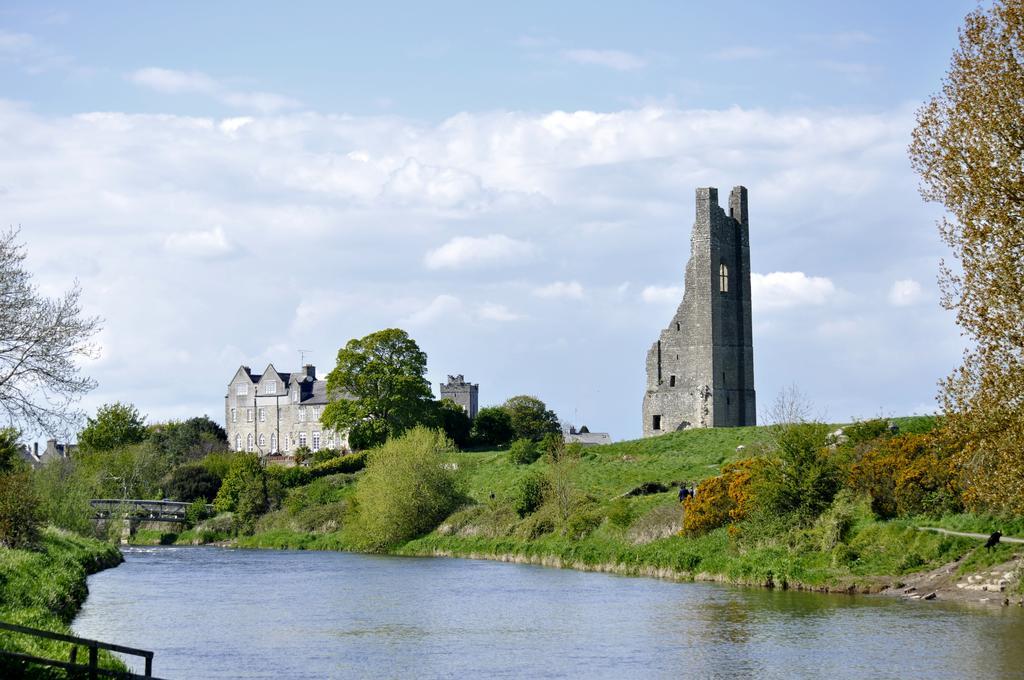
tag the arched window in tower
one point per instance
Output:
(238, 442)
(273, 442)
(723, 278)
(263, 441)
(248, 442)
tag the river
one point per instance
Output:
(220, 613)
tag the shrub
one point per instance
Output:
(523, 452)
(245, 492)
(19, 510)
(455, 422)
(190, 482)
(529, 494)
(302, 455)
(324, 455)
(64, 491)
(724, 499)
(802, 477)
(620, 513)
(907, 474)
(196, 512)
(353, 462)
(408, 487)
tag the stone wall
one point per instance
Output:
(466, 395)
(700, 371)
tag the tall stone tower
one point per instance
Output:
(700, 371)
(466, 395)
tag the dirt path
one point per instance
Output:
(998, 584)
(984, 537)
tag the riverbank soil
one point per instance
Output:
(966, 581)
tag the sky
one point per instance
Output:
(512, 184)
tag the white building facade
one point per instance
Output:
(274, 413)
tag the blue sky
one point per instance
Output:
(233, 182)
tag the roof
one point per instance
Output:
(319, 393)
(588, 438)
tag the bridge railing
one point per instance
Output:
(142, 509)
(90, 669)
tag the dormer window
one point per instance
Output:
(723, 278)
(242, 388)
(271, 387)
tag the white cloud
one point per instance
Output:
(782, 290)
(445, 187)
(202, 244)
(613, 59)
(662, 294)
(441, 307)
(572, 290)
(905, 292)
(490, 311)
(28, 53)
(464, 252)
(170, 81)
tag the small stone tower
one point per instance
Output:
(700, 371)
(466, 395)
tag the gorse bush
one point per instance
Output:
(907, 474)
(724, 499)
(409, 486)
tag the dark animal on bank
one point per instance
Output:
(993, 540)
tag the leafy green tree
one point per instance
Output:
(115, 425)
(191, 482)
(455, 422)
(968, 148)
(492, 427)
(64, 488)
(379, 379)
(531, 418)
(244, 492)
(10, 450)
(188, 440)
(409, 486)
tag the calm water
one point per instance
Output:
(218, 613)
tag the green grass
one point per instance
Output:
(846, 548)
(44, 589)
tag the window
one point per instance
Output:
(238, 442)
(316, 441)
(302, 439)
(243, 388)
(671, 381)
(656, 423)
(272, 387)
(273, 442)
(295, 396)
(678, 327)
(248, 442)
(234, 415)
(723, 278)
(263, 441)
(248, 415)
(263, 415)
(302, 414)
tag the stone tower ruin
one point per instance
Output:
(466, 395)
(700, 371)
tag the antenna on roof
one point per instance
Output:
(302, 356)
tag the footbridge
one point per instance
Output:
(140, 510)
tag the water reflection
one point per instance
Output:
(222, 613)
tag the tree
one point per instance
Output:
(244, 492)
(114, 426)
(41, 340)
(492, 427)
(191, 439)
(531, 418)
(377, 387)
(968, 148)
(408, 487)
(10, 450)
(454, 420)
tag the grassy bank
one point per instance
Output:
(625, 518)
(44, 589)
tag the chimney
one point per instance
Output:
(310, 371)
(35, 449)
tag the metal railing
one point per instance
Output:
(90, 669)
